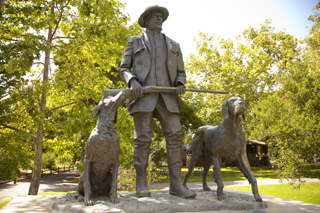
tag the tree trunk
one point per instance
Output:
(36, 174)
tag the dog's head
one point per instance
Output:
(234, 106)
(110, 103)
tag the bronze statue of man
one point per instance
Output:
(153, 59)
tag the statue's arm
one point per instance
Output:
(125, 71)
(126, 63)
(181, 75)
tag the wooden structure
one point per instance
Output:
(257, 152)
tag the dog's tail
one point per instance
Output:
(187, 148)
(196, 145)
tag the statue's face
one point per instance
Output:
(155, 20)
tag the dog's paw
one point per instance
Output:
(114, 200)
(88, 202)
(206, 188)
(80, 198)
(221, 197)
(257, 197)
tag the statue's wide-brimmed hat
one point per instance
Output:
(150, 9)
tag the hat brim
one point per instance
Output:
(163, 10)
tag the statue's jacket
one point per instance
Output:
(136, 62)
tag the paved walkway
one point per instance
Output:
(55, 182)
(58, 182)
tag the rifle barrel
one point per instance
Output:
(207, 91)
(190, 90)
(151, 89)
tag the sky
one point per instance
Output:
(225, 18)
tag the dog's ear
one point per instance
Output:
(116, 117)
(225, 109)
(96, 111)
(97, 108)
(244, 116)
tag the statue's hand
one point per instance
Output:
(181, 90)
(136, 89)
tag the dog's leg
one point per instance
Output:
(86, 182)
(80, 189)
(207, 162)
(114, 183)
(194, 158)
(217, 176)
(198, 144)
(244, 166)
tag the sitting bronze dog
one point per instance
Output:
(225, 141)
(101, 160)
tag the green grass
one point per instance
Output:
(56, 193)
(308, 192)
(313, 171)
(5, 202)
(230, 174)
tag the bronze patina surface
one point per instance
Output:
(153, 59)
(101, 160)
(225, 141)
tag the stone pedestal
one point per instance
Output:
(162, 201)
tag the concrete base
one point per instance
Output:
(162, 201)
(43, 204)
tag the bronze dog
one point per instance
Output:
(225, 141)
(101, 160)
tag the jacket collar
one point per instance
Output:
(148, 45)
(146, 40)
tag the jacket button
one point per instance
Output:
(146, 65)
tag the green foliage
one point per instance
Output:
(308, 192)
(126, 179)
(48, 160)
(290, 116)
(243, 66)
(190, 122)
(86, 40)
(278, 76)
(159, 156)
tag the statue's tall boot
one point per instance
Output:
(140, 164)
(176, 187)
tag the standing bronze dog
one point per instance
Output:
(225, 141)
(101, 160)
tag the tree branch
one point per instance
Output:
(56, 47)
(62, 37)
(38, 63)
(57, 25)
(15, 129)
(8, 39)
(60, 106)
(53, 118)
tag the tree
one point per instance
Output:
(245, 66)
(85, 40)
(290, 116)
(278, 77)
